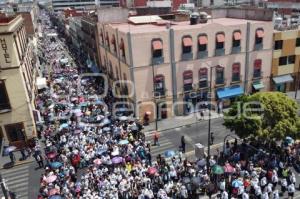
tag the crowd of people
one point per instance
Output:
(90, 153)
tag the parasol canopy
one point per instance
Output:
(217, 169)
(55, 165)
(152, 170)
(117, 160)
(123, 142)
(169, 153)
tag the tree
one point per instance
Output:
(269, 115)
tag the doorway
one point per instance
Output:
(16, 134)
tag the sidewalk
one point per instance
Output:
(179, 121)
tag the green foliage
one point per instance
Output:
(269, 115)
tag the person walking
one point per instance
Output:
(39, 159)
(155, 138)
(183, 144)
(212, 138)
(291, 190)
(12, 157)
(202, 115)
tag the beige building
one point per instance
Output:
(17, 80)
(170, 63)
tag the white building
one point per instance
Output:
(58, 5)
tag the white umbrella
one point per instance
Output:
(123, 118)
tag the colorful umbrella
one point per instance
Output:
(237, 183)
(55, 165)
(51, 155)
(123, 142)
(51, 179)
(106, 129)
(98, 102)
(53, 192)
(228, 168)
(169, 153)
(152, 170)
(117, 160)
(123, 118)
(55, 197)
(97, 161)
(64, 125)
(217, 169)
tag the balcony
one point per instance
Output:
(220, 81)
(258, 46)
(157, 60)
(202, 54)
(160, 92)
(187, 56)
(203, 84)
(220, 52)
(236, 50)
(257, 75)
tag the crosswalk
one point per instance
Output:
(16, 180)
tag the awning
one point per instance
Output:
(259, 33)
(258, 85)
(187, 41)
(283, 79)
(202, 40)
(41, 83)
(157, 45)
(237, 36)
(229, 92)
(220, 38)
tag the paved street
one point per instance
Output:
(22, 180)
(195, 133)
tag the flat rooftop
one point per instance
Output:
(183, 25)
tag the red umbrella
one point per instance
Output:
(53, 192)
(51, 155)
(152, 170)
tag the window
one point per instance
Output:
(122, 48)
(278, 44)
(187, 44)
(188, 80)
(236, 42)
(298, 42)
(219, 75)
(235, 72)
(259, 36)
(282, 60)
(220, 39)
(15, 132)
(159, 85)
(203, 78)
(107, 40)
(257, 68)
(113, 42)
(291, 59)
(4, 100)
(157, 48)
(202, 43)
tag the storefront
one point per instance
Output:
(226, 96)
(281, 83)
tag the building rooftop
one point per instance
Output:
(183, 25)
(6, 19)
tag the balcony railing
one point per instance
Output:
(202, 54)
(203, 84)
(160, 92)
(157, 60)
(236, 78)
(236, 49)
(258, 46)
(220, 52)
(220, 81)
(187, 56)
(257, 75)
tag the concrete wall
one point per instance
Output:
(113, 14)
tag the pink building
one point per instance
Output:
(170, 65)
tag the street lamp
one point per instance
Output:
(209, 120)
(154, 97)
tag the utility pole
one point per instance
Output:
(4, 187)
(209, 121)
(297, 81)
(154, 97)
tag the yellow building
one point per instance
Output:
(285, 63)
(17, 80)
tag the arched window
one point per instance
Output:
(159, 85)
(113, 42)
(236, 72)
(219, 75)
(157, 48)
(107, 40)
(257, 68)
(220, 40)
(202, 43)
(259, 36)
(203, 78)
(188, 80)
(236, 39)
(122, 48)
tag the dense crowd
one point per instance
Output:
(92, 154)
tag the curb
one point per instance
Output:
(149, 132)
(18, 163)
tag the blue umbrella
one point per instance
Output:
(289, 140)
(55, 165)
(237, 183)
(83, 104)
(169, 153)
(105, 121)
(64, 125)
(123, 142)
(98, 102)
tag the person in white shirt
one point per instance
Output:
(291, 190)
(264, 195)
(245, 195)
(275, 194)
(224, 195)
